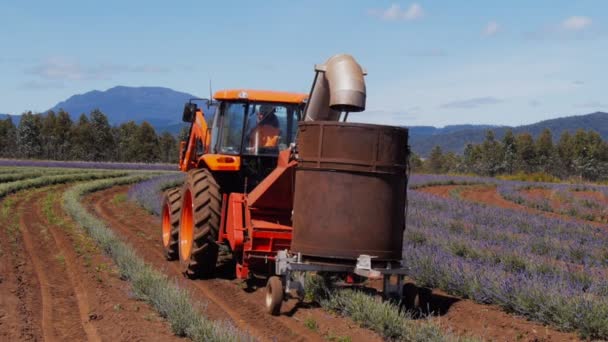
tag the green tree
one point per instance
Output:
(491, 155)
(128, 149)
(509, 152)
(82, 139)
(565, 153)
(48, 139)
(168, 148)
(451, 162)
(63, 134)
(102, 146)
(435, 161)
(589, 155)
(28, 136)
(415, 162)
(546, 158)
(472, 159)
(8, 138)
(526, 153)
(147, 144)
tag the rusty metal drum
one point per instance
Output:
(350, 190)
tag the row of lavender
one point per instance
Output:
(85, 165)
(148, 193)
(551, 270)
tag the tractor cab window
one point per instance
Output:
(230, 124)
(269, 128)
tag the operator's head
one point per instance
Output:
(265, 111)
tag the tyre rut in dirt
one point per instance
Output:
(172, 207)
(199, 224)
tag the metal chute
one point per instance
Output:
(339, 86)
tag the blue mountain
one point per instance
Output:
(455, 138)
(15, 118)
(161, 107)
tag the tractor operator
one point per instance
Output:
(267, 133)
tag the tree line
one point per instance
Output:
(55, 136)
(583, 155)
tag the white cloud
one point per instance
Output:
(61, 69)
(395, 12)
(472, 103)
(576, 23)
(42, 85)
(491, 29)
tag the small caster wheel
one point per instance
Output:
(274, 295)
(424, 299)
(410, 299)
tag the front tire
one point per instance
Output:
(199, 224)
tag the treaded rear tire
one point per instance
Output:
(171, 212)
(203, 194)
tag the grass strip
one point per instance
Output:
(11, 187)
(386, 318)
(173, 303)
(16, 176)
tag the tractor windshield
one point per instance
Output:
(269, 128)
(255, 128)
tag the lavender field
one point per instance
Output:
(550, 270)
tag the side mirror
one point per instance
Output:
(189, 111)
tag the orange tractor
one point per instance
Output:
(284, 183)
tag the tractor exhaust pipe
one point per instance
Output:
(338, 87)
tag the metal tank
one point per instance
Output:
(350, 190)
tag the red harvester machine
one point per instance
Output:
(284, 183)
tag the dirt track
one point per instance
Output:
(56, 286)
(225, 298)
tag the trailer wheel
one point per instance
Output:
(274, 295)
(171, 210)
(410, 299)
(199, 224)
(425, 295)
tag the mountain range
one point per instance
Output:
(455, 138)
(162, 107)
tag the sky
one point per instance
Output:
(428, 62)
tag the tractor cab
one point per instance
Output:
(247, 131)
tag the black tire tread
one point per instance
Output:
(207, 206)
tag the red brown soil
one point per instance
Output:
(55, 285)
(488, 194)
(596, 195)
(225, 299)
(541, 193)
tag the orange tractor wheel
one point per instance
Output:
(171, 210)
(199, 224)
